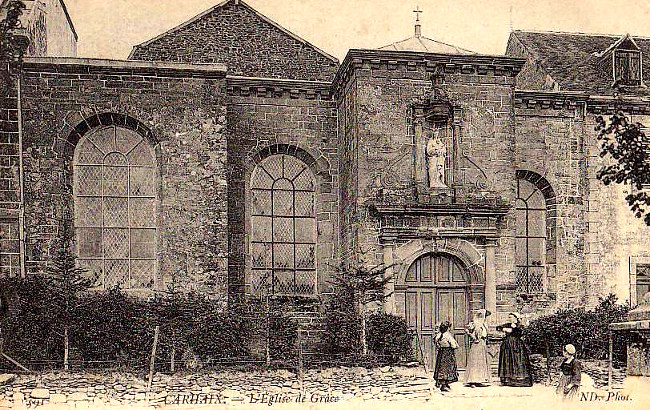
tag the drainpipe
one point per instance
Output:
(21, 214)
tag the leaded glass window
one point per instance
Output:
(282, 227)
(115, 208)
(530, 240)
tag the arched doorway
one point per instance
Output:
(435, 289)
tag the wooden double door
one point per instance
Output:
(436, 290)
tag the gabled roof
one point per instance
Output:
(581, 62)
(626, 39)
(221, 5)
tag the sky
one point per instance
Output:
(110, 28)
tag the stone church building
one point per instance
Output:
(230, 156)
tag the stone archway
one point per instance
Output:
(437, 280)
(435, 288)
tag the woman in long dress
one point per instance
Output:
(514, 360)
(478, 365)
(446, 371)
(569, 384)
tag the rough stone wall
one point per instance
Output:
(48, 28)
(291, 123)
(614, 234)
(597, 236)
(250, 46)
(550, 142)
(62, 41)
(349, 172)
(185, 113)
(37, 29)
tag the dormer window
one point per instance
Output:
(627, 67)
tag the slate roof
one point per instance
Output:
(425, 44)
(581, 62)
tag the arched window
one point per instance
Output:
(282, 227)
(530, 241)
(115, 208)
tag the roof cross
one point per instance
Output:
(418, 28)
(417, 12)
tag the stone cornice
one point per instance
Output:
(609, 105)
(549, 99)
(448, 63)
(128, 67)
(277, 88)
(597, 104)
(442, 209)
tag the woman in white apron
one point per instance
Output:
(478, 365)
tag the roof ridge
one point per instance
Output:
(579, 33)
(238, 2)
(449, 45)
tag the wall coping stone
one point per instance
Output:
(598, 104)
(277, 87)
(89, 65)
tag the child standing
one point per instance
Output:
(445, 371)
(569, 384)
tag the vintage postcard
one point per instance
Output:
(324, 204)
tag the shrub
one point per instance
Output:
(342, 326)
(193, 321)
(389, 338)
(109, 328)
(112, 327)
(283, 334)
(587, 330)
(27, 336)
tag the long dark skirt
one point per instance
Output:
(514, 363)
(572, 393)
(446, 371)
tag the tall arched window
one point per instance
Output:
(530, 242)
(283, 227)
(115, 207)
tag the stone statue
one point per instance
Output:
(436, 153)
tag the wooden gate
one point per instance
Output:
(436, 290)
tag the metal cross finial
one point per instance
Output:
(417, 12)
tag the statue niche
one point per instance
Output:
(435, 124)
